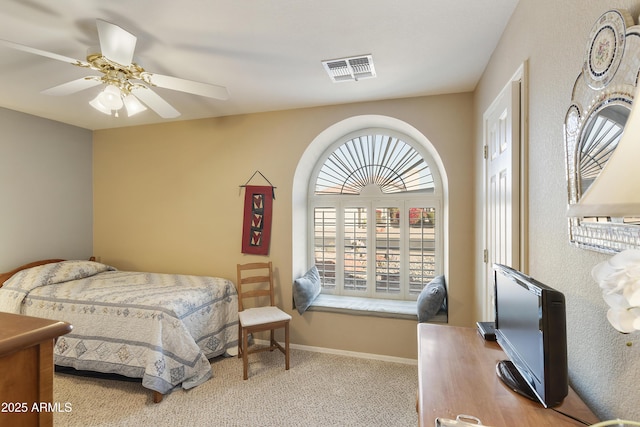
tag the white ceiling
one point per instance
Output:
(267, 53)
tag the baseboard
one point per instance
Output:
(356, 354)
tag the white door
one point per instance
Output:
(502, 189)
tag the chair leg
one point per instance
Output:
(245, 359)
(239, 340)
(286, 345)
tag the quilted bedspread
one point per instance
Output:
(162, 328)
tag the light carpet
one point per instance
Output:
(320, 389)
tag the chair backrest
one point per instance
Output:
(255, 280)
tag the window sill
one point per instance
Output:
(371, 307)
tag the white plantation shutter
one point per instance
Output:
(355, 242)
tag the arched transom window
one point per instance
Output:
(376, 217)
(384, 161)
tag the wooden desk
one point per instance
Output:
(456, 375)
(26, 369)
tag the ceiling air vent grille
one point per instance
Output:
(350, 69)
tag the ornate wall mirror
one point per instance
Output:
(600, 105)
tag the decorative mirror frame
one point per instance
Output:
(609, 77)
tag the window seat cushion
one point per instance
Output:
(371, 307)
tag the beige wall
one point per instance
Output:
(167, 198)
(552, 36)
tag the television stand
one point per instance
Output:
(509, 374)
(457, 375)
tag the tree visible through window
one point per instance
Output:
(376, 214)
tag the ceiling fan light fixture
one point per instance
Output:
(95, 103)
(133, 105)
(111, 97)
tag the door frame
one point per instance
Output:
(520, 76)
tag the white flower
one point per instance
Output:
(619, 279)
(632, 294)
(624, 320)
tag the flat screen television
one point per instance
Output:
(530, 325)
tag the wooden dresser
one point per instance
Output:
(456, 370)
(26, 369)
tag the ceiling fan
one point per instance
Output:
(127, 83)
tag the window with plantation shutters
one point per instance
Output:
(375, 204)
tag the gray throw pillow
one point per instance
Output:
(306, 289)
(432, 299)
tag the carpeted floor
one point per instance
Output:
(319, 390)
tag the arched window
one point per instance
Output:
(375, 205)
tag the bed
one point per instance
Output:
(161, 328)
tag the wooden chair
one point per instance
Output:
(255, 280)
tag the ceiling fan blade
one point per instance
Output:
(73, 86)
(155, 102)
(189, 86)
(116, 43)
(44, 53)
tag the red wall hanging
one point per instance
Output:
(256, 225)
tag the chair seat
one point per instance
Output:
(260, 315)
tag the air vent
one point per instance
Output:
(350, 69)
